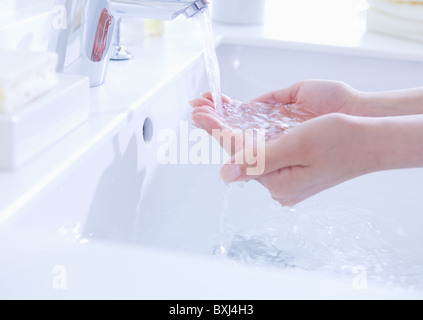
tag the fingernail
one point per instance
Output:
(231, 172)
(229, 99)
(191, 103)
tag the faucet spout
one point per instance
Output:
(158, 9)
(195, 7)
(151, 9)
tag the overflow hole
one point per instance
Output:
(147, 131)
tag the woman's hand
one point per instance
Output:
(333, 147)
(323, 97)
(315, 156)
(315, 97)
(318, 154)
(318, 96)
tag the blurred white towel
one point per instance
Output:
(397, 18)
(412, 10)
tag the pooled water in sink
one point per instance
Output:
(244, 248)
(195, 212)
(337, 239)
(256, 251)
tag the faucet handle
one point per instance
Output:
(100, 47)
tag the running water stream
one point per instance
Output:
(273, 119)
(270, 119)
(205, 27)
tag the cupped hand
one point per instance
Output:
(318, 154)
(205, 117)
(317, 96)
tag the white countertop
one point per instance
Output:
(325, 22)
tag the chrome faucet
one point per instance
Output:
(85, 37)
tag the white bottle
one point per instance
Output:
(154, 28)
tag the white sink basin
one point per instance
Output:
(248, 71)
(373, 222)
(363, 232)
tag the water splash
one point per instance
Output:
(333, 239)
(221, 249)
(273, 119)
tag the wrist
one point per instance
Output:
(393, 142)
(390, 103)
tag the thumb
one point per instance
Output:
(286, 95)
(254, 162)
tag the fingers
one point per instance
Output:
(208, 95)
(200, 102)
(289, 186)
(254, 161)
(287, 95)
(230, 140)
(206, 118)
